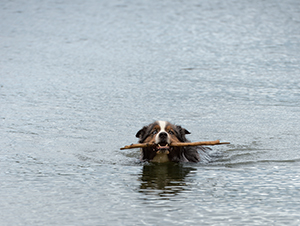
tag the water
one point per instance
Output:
(78, 80)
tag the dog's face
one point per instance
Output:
(162, 134)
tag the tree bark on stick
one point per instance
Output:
(144, 145)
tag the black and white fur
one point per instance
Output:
(162, 134)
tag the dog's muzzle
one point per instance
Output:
(162, 146)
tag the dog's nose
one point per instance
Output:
(163, 135)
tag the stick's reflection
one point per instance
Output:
(162, 179)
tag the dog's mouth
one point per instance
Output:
(162, 148)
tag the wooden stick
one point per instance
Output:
(215, 142)
(144, 145)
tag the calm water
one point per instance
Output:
(78, 79)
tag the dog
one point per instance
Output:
(162, 134)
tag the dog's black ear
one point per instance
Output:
(181, 133)
(141, 132)
(186, 131)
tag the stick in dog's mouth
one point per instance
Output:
(165, 149)
(184, 144)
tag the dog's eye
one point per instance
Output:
(154, 132)
(171, 132)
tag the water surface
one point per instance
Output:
(79, 79)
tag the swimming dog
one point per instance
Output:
(161, 134)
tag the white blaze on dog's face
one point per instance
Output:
(162, 135)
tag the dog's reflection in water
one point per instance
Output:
(164, 178)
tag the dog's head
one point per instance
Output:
(161, 134)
